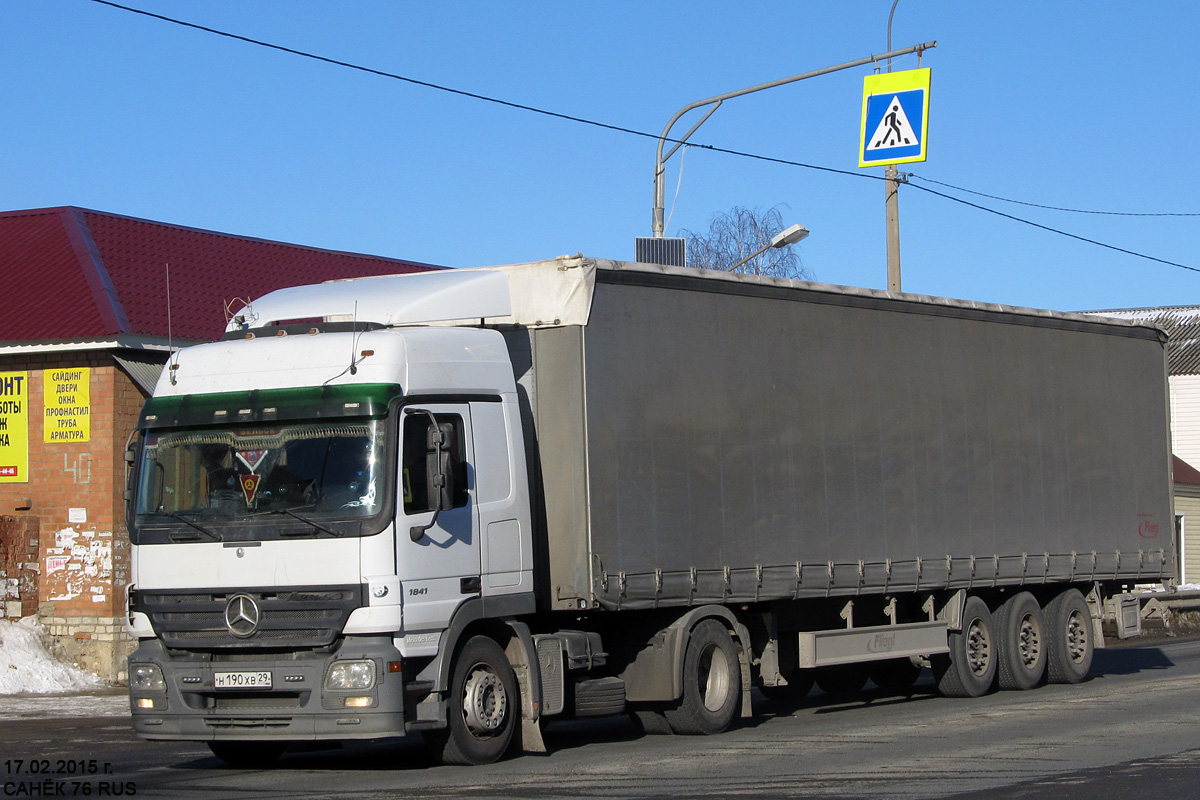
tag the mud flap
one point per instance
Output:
(531, 735)
(745, 655)
(522, 656)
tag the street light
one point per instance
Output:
(715, 102)
(782, 239)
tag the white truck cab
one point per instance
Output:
(290, 551)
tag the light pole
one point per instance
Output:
(891, 185)
(715, 102)
(782, 239)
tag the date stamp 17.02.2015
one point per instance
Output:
(62, 777)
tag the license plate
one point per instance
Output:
(242, 680)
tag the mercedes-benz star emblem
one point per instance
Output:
(241, 615)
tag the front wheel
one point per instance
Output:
(484, 707)
(247, 755)
(711, 682)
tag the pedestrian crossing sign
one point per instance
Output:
(895, 118)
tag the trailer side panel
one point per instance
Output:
(760, 443)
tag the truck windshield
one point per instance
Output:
(210, 478)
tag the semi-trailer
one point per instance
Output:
(466, 502)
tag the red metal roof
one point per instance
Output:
(1183, 472)
(71, 273)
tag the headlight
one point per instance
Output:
(147, 678)
(344, 675)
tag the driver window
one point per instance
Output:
(415, 485)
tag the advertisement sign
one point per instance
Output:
(14, 427)
(68, 414)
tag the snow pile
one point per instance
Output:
(26, 667)
(1152, 588)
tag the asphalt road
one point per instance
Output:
(1131, 730)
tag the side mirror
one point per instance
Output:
(439, 476)
(131, 461)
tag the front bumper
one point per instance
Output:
(295, 707)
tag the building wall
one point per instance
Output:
(72, 504)
(1185, 443)
(19, 565)
(1187, 505)
(1185, 417)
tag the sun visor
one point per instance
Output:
(536, 294)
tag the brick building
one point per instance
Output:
(84, 332)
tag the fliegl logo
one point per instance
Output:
(882, 643)
(1147, 526)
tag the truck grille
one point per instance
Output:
(287, 617)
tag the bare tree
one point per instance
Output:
(733, 236)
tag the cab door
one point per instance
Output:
(437, 554)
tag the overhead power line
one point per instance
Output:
(1053, 230)
(1054, 208)
(645, 134)
(955, 200)
(372, 71)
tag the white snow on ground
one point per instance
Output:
(26, 667)
(33, 684)
(102, 703)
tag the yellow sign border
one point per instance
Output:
(16, 430)
(67, 417)
(886, 83)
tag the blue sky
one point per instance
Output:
(1084, 105)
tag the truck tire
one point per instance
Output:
(799, 684)
(1069, 646)
(969, 669)
(712, 682)
(484, 707)
(895, 674)
(1021, 642)
(248, 755)
(843, 679)
(651, 721)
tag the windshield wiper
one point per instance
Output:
(306, 520)
(216, 537)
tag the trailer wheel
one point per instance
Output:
(895, 674)
(247, 754)
(712, 682)
(969, 669)
(484, 706)
(1069, 647)
(1021, 642)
